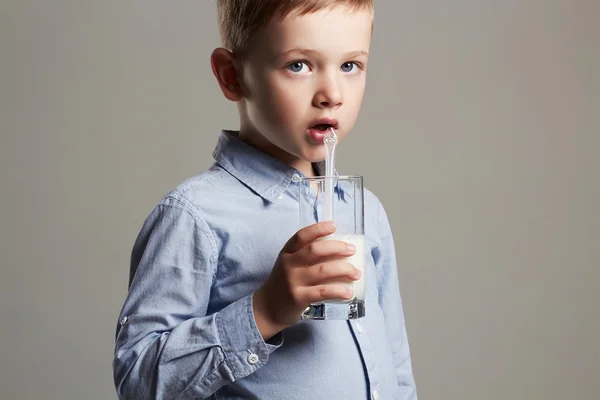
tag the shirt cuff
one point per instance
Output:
(244, 347)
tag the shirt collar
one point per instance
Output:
(265, 175)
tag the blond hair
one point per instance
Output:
(240, 19)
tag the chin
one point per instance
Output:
(314, 155)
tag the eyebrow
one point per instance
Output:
(314, 52)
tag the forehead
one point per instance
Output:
(333, 30)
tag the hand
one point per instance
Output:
(307, 270)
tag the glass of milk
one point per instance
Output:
(347, 210)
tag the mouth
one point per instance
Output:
(318, 129)
(323, 125)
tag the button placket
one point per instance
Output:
(359, 328)
(369, 362)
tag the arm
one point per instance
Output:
(167, 347)
(391, 304)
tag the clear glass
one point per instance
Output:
(348, 214)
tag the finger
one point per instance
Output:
(336, 270)
(313, 294)
(324, 250)
(309, 234)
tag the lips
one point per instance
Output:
(319, 127)
(324, 124)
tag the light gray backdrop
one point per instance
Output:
(480, 133)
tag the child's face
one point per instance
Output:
(303, 71)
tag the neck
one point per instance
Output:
(262, 144)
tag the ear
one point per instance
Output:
(223, 64)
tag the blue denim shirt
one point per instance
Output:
(187, 329)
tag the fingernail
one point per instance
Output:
(331, 226)
(350, 293)
(357, 273)
(351, 247)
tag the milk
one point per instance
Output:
(358, 261)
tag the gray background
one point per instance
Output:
(480, 133)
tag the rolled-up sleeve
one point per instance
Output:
(167, 347)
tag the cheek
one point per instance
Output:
(355, 100)
(358, 92)
(261, 103)
(279, 103)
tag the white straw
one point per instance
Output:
(330, 143)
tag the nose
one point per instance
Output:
(328, 94)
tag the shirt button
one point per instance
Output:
(375, 395)
(280, 197)
(252, 359)
(124, 321)
(359, 328)
(296, 178)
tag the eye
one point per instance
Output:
(298, 67)
(349, 66)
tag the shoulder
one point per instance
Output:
(190, 200)
(211, 198)
(185, 209)
(377, 225)
(373, 207)
(197, 187)
(199, 193)
(371, 198)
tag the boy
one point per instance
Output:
(216, 289)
